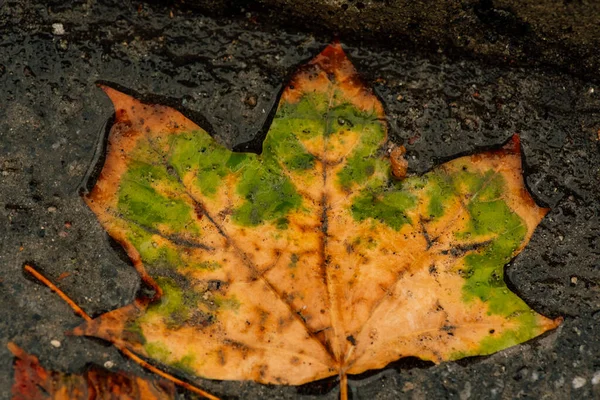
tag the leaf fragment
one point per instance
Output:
(33, 382)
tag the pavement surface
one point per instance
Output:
(223, 65)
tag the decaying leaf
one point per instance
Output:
(33, 382)
(309, 260)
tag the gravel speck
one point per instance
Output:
(58, 29)
(578, 382)
(573, 280)
(55, 343)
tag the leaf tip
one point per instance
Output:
(119, 99)
(334, 58)
(555, 323)
(513, 145)
(15, 349)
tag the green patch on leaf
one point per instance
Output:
(387, 207)
(283, 146)
(207, 265)
(527, 329)
(152, 253)
(198, 153)
(158, 351)
(227, 303)
(177, 303)
(185, 363)
(362, 163)
(439, 191)
(268, 194)
(492, 219)
(141, 203)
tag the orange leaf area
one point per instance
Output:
(34, 382)
(317, 257)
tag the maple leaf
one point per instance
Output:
(32, 382)
(311, 259)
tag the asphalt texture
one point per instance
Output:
(225, 72)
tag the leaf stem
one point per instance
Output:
(343, 386)
(125, 351)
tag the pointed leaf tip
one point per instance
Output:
(141, 116)
(331, 73)
(333, 58)
(556, 322)
(513, 145)
(120, 100)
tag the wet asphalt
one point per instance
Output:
(225, 73)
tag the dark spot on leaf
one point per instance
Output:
(199, 211)
(215, 284)
(262, 370)
(201, 319)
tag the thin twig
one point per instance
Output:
(78, 310)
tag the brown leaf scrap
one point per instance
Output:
(311, 259)
(34, 382)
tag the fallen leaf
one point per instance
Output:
(33, 382)
(309, 260)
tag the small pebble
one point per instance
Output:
(574, 280)
(51, 209)
(55, 343)
(58, 29)
(578, 382)
(596, 378)
(109, 364)
(251, 100)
